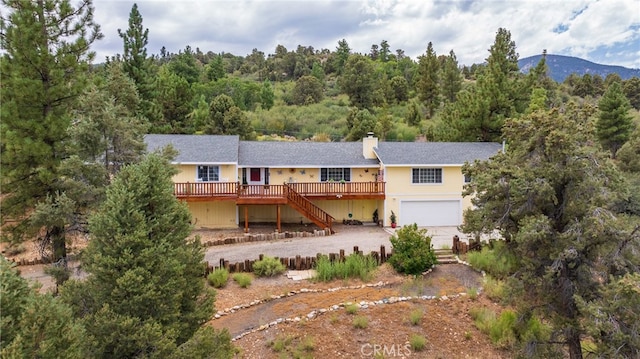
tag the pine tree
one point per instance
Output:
(174, 97)
(615, 124)
(44, 66)
(548, 197)
(451, 78)
(357, 81)
(480, 111)
(428, 84)
(139, 67)
(107, 130)
(36, 325)
(145, 294)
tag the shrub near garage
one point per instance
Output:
(412, 251)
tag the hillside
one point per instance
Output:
(563, 66)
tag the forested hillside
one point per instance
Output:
(560, 67)
(335, 94)
(563, 197)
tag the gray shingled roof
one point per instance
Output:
(303, 154)
(434, 153)
(203, 149)
(200, 149)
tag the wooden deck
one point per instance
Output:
(276, 194)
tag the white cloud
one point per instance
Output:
(576, 27)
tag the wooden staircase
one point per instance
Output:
(445, 256)
(314, 213)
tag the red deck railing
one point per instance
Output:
(338, 188)
(235, 190)
(205, 189)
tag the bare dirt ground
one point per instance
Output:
(445, 323)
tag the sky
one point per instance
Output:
(605, 31)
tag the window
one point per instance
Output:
(427, 175)
(467, 179)
(208, 173)
(335, 174)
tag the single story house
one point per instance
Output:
(227, 182)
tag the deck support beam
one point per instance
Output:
(278, 218)
(246, 219)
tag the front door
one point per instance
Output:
(256, 176)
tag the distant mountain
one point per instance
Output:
(563, 66)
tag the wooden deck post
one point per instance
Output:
(278, 219)
(246, 219)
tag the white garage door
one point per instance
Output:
(429, 213)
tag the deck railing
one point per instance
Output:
(315, 213)
(205, 189)
(261, 191)
(338, 188)
(235, 189)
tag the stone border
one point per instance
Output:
(314, 313)
(361, 305)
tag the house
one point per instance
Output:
(227, 182)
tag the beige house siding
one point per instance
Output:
(188, 173)
(361, 210)
(310, 175)
(219, 214)
(399, 187)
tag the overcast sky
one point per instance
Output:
(605, 31)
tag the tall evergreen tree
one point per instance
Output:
(428, 86)
(44, 65)
(174, 97)
(479, 112)
(548, 196)
(139, 67)
(145, 294)
(343, 51)
(107, 130)
(36, 325)
(614, 123)
(357, 81)
(451, 78)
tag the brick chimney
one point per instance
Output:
(368, 144)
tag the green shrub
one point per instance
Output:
(280, 343)
(243, 279)
(412, 250)
(360, 322)
(351, 308)
(218, 278)
(500, 329)
(417, 342)
(495, 261)
(354, 266)
(494, 289)
(268, 267)
(307, 344)
(472, 293)
(415, 317)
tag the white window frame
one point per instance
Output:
(212, 173)
(335, 174)
(427, 175)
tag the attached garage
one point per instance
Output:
(430, 213)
